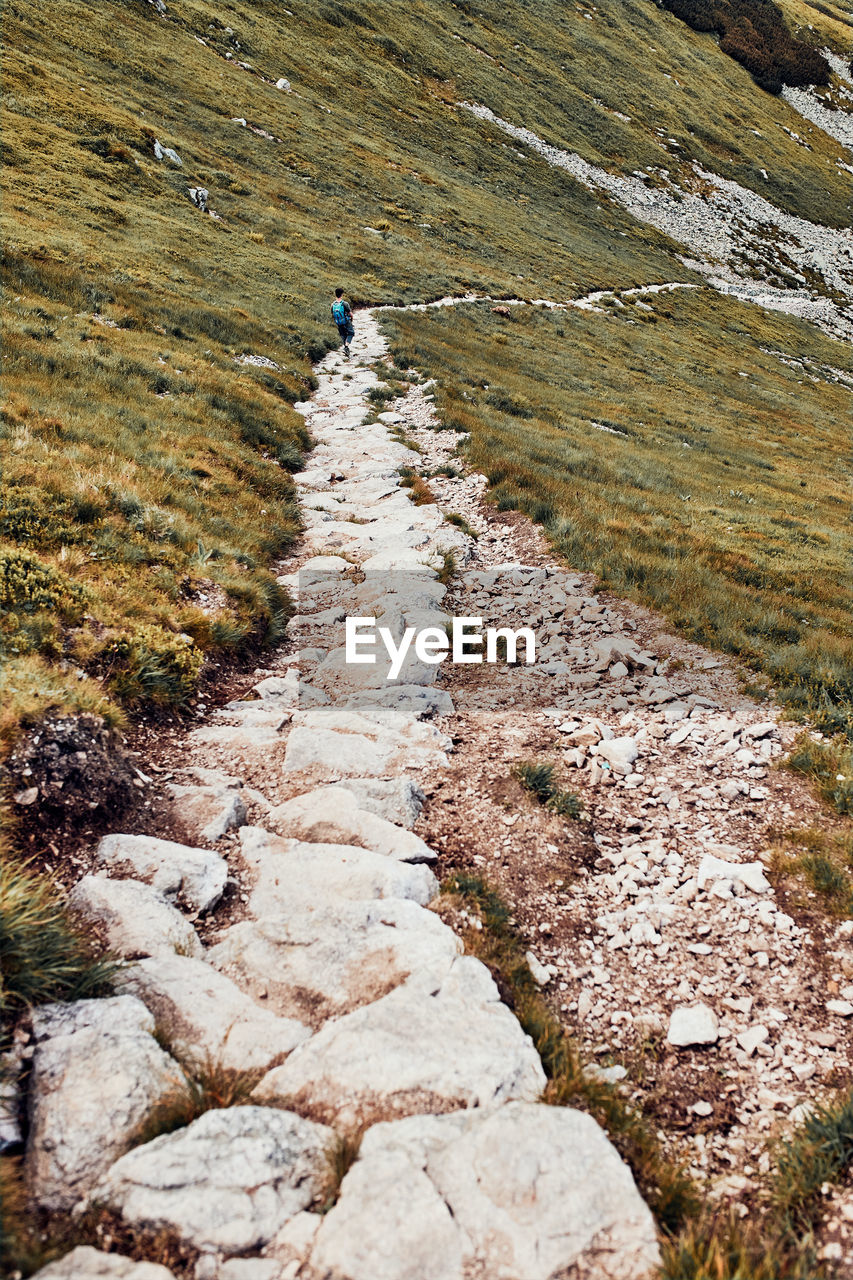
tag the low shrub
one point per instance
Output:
(755, 34)
(151, 665)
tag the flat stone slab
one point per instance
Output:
(526, 1192)
(229, 1181)
(97, 1074)
(133, 919)
(285, 872)
(398, 800)
(333, 742)
(207, 812)
(86, 1263)
(207, 1018)
(338, 818)
(197, 876)
(318, 963)
(421, 701)
(413, 1051)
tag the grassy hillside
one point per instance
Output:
(146, 484)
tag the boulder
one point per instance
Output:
(86, 1263)
(229, 1181)
(524, 1191)
(284, 872)
(133, 919)
(318, 963)
(195, 876)
(413, 1050)
(209, 1019)
(321, 818)
(97, 1074)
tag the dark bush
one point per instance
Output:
(753, 32)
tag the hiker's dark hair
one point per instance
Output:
(339, 293)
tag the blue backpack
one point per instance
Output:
(339, 311)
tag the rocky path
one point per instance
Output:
(295, 937)
(298, 953)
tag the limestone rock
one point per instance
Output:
(524, 1191)
(620, 753)
(331, 742)
(206, 813)
(167, 153)
(133, 918)
(398, 800)
(86, 1263)
(458, 1046)
(749, 874)
(177, 871)
(285, 872)
(208, 1018)
(317, 963)
(321, 818)
(229, 1181)
(417, 700)
(97, 1073)
(692, 1024)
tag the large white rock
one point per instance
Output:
(620, 753)
(321, 818)
(207, 1018)
(133, 919)
(749, 874)
(284, 872)
(694, 1024)
(525, 1192)
(97, 1074)
(197, 876)
(413, 1050)
(398, 800)
(318, 963)
(86, 1263)
(227, 1182)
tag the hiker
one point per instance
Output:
(342, 316)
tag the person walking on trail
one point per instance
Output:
(342, 316)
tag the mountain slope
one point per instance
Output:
(147, 469)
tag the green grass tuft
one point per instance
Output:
(537, 777)
(43, 955)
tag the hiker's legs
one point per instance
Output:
(343, 330)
